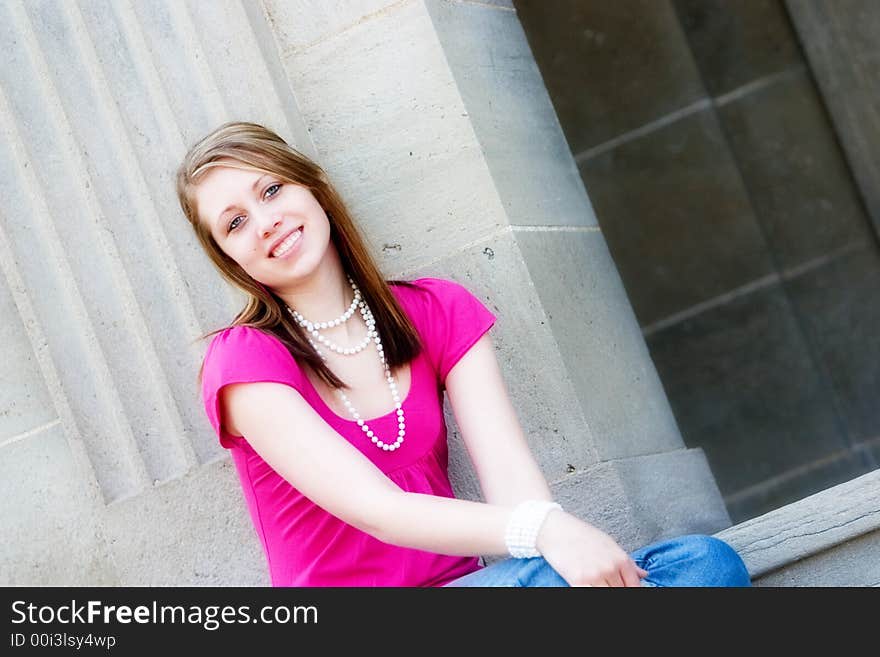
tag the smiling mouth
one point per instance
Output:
(286, 244)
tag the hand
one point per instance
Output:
(585, 555)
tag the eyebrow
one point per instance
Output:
(229, 207)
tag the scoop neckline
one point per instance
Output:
(393, 411)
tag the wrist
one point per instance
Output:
(545, 535)
(524, 526)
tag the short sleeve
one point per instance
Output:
(243, 354)
(454, 320)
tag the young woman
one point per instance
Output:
(327, 390)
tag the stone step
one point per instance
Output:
(831, 538)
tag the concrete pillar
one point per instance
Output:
(432, 119)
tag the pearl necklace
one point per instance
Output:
(313, 330)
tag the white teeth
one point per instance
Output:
(286, 245)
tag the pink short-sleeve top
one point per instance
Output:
(304, 545)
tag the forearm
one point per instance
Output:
(516, 479)
(443, 525)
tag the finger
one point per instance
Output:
(642, 572)
(614, 579)
(631, 576)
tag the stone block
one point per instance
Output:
(297, 25)
(643, 499)
(744, 387)
(840, 311)
(191, 531)
(393, 133)
(512, 115)
(735, 43)
(676, 217)
(25, 402)
(796, 175)
(610, 67)
(601, 343)
(51, 519)
(539, 386)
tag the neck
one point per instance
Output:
(325, 295)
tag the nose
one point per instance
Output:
(270, 226)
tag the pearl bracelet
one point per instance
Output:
(525, 522)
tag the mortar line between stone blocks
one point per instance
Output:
(488, 5)
(29, 433)
(785, 275)
(363, 19)
(815, 263)
(699, 308)
(641, 131)
(556, 229)
(758, 85)
(577, 471)
(462, 249)
(769, 484)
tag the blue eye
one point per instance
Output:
(232, 225)
(276, 187)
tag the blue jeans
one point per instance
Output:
(692, 560)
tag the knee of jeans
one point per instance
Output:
(726, 563)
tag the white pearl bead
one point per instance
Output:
(373, 336)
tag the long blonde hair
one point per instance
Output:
(254, 147)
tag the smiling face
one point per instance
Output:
(277, 232)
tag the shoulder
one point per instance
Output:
(432, 292)
(242, 340)
(440, 305)
(245, 353)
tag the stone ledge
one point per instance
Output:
(809, 526)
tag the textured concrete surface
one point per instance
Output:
(531, 164)
(610, 67)
(642, 499)
(528, 354)
(794, 170)
(399, 147)
(605, 353)
(676, 216)
(729, 207)
(25, 402)
(766, 425)
(734, 43)
(194, 531)
(853, 563)
(51, 523)
(807, 527)
(840, 41)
